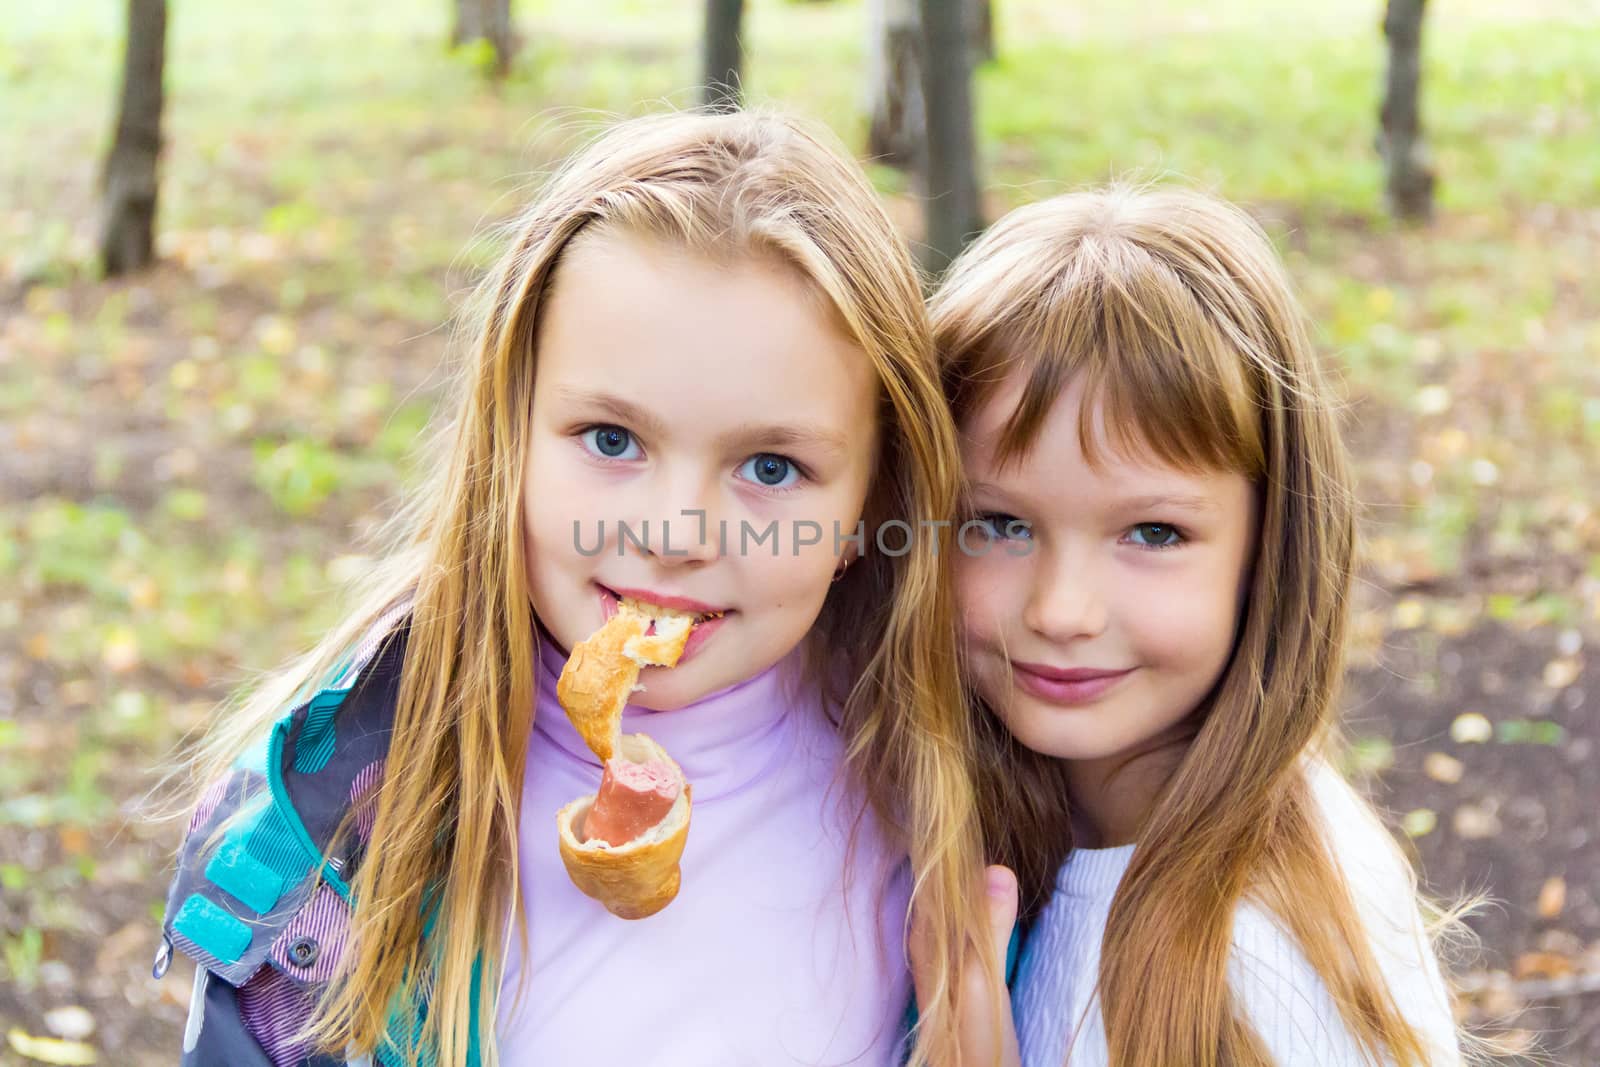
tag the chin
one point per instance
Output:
(668, 689)
(1040, 730)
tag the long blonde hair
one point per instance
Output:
(446, 815)
(1174, 310)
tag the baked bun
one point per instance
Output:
(603, 671)
(640, 876)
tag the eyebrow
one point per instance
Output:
(1149, 502)
(1160, 501)
(777, 435)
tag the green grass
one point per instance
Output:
(201, 449)
(332, 170)
(338, 161)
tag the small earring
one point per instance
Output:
(838, 572)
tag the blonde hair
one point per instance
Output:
(1175, 312)
(446, 815)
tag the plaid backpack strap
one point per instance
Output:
(260, 899)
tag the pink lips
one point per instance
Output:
(677, 603)
(698, 635)
(1067, 686)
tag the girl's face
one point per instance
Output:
(1108, 620)
(699, 431)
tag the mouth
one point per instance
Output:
(661, 606)
(1069, 674)
(1066, 686)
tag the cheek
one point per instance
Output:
(553, 504)
(785, 579)
(1194, 634)
(796, 579)
(984, 594)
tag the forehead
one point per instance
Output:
(688, 336)
(1056, 467)
(1058, 434)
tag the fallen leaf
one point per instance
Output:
(1473, 822)
(121, 650)
(1541, 965)
(1433, 400)
(1442, 768)
(184, 375)
(72, 1023)
(235, 577)
(132, 942)
(1560, 673)
(1419, 822)
(1448, 444)
(1552, 897)
(1409, 614)
(78, 692)
(49, 1049)
(277, 336)
(1496, 997)
(143, 592)
(1471, 728)
(75, 842)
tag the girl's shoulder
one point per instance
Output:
(1296, 1016)
(1286, 999)
(260, 900)
(1376, 872)
(1282, 995)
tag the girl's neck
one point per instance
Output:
(1112, 796)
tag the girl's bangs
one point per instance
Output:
(1161, 381)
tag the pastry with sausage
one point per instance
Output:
(622, 844)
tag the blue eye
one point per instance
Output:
(770, 470)
(612, 442)
(1155, 535)
(999, 526)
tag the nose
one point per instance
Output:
(690, 522)
(1066, 600)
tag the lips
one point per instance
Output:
(1068, 674)
(1066, 686)
(698, 608)
(708, 618)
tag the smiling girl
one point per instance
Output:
(1154, 635)
(705, 324)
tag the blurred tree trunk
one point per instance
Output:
(895, 126)
(951, 188)
(980, 25)
(128, 183)
(1410, 180)
(722, 55)
(490, 21)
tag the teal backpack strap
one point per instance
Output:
(1013, 953)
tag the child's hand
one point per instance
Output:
(986, 1038)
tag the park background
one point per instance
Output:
(193, 454)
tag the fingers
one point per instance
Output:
(1001, 884)
(988, 1033)
(1001, 895)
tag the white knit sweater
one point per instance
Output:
(1284, 999)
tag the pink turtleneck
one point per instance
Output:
(772, 953)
